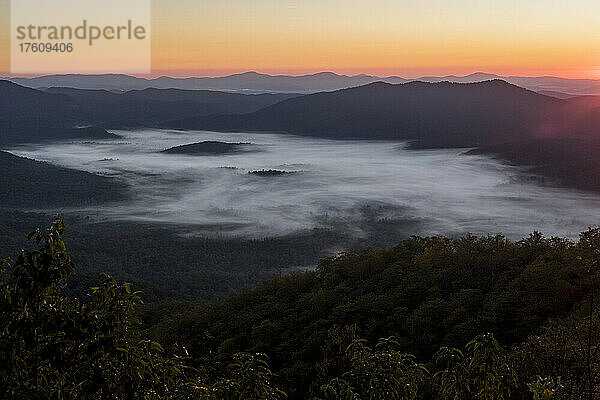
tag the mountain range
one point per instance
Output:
(253, 82)
(441, 114)
(31, 115)
(143, 107)
(496, 116)
(430, 114)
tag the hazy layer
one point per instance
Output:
(338, 183)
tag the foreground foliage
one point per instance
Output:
(429, 293)
(58, 346)
(173, 263)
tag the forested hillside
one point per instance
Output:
(567, 161)
(410, 322)
(166, 263)
(426, 292)
(26, 183)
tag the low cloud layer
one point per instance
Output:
(337, 184)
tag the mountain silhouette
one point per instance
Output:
(254, 82)
(148, 106)
(431, 114)
(31, 115)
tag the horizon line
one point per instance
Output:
(153, 76)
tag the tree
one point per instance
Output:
(544, 388)
(382, 373)
(58, 347)
(478, 372)
(250, 378)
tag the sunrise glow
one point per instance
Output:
(381, 37)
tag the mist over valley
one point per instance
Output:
(342, 185)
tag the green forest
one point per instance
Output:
(430, 318)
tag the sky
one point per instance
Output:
(379, 37)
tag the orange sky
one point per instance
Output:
(382, 37)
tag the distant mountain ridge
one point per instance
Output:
(254, 82)
(441, 114)
(30, 115)
(431, 114)
(251, 82)
(143, 107)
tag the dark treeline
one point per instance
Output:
(410, 322)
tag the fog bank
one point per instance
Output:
(336, 184)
